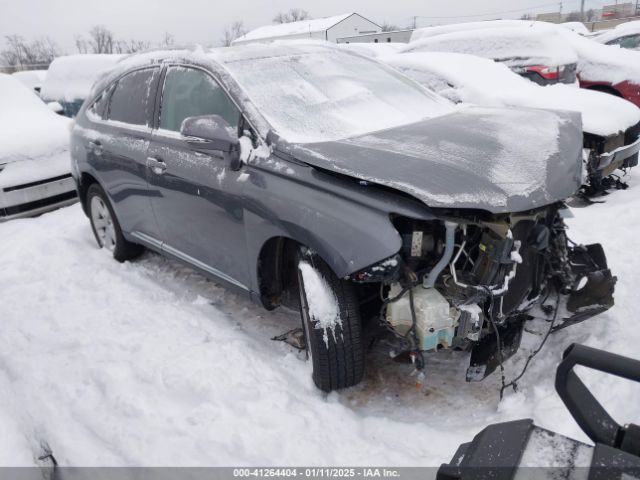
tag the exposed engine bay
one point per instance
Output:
(471, 282)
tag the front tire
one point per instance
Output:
(331, 320)
(106, 227)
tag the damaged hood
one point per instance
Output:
(494, 159)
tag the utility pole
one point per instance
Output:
(582, 11)
(415, 19)
(560, 13)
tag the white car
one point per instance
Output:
(35, 168)
(611, 125)
(33, 79)
(626, 35)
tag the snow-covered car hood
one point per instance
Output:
(28, 129)
(494, 85)
(499, 160)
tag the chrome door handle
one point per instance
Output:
(156, 165)
(96, 148)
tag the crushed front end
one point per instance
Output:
(604, 155)
(470, 281)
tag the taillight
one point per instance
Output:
(548, 73)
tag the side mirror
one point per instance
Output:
(212, 133)
(56, 107)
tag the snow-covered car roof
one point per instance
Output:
(492, 84)
(308, 91)
(28, 129)
(426, 32)
(33, 79)
(373, 50)
(71, 77)
(622, 30)
(510, 44)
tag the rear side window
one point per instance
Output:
(132, 101)
(189, 92)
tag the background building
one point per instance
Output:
(402, 36)
(329, 28)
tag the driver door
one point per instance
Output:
(196, 197)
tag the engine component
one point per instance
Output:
(430, 280)
(435, 319)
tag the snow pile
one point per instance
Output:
(323, 305)
(511, 45)
(301, 27)
(29, 131)
(312, 93)
(34, 79)
(493, 84)
(71, 77)
(622, 30)
(148, 363)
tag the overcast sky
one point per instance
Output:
(203, 21)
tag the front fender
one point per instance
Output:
(346, 223)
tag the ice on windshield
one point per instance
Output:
(328, 95)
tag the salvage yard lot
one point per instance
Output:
(148, 363)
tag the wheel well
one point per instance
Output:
(606, 89)
(86, 180)
(277, 273)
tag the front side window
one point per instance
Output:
(132, 100)
(189, 92)
(99, 107)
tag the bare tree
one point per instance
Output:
(293, 15)
(101, 40)
(526, 16)
(131, 46)
(20, 53)
(389, 27)
(591, 14)
(233, 31)
(167, 41)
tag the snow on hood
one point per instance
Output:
(622, 30)
(28, 129)
(493, 84)
(499, 160)
(577, 27)
(71, 77)
(512, 45)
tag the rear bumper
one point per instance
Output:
(37, 197)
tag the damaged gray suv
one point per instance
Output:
(311, 177)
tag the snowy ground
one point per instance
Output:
(148, 363)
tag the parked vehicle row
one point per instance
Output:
(35, 173)
(306, 175)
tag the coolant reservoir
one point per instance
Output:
(435, 319)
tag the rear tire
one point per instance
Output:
(337, 353)
(106, 227)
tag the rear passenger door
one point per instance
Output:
(196, 197)
(119, 153)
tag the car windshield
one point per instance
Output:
(328, 95)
